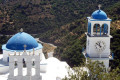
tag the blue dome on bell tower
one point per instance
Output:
(99, 14)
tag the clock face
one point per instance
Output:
(100, 46)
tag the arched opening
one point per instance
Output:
(96, 29)
(24, 67)
(15, 68)
(33, 63)
(104, 29)
(89, 28)
(15, 64)
(33, 68)
(24, 63)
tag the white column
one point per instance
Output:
(37, 68)
(92, 29)
(5, 56)
(109, 28)
(20, 68)
(29, 67)
(87, 25)
(11, 68)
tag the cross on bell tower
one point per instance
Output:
(21, 30)
(99, 6)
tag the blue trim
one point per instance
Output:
(113, 55)
(89, 18)
(89, 28)
(105, 28)
(99, 20)
(87, 55)
(37, 48)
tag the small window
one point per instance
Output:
(8, 59)
(24, 63)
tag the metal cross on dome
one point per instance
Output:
(99, 6)
(25, 47)
(21, 30)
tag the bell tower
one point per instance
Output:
(98, 38)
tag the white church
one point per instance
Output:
(23, 58)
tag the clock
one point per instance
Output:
(100, 46)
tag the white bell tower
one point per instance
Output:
(98, 38)
(24, 62)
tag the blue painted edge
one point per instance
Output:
(4, 48)
(87, 56)
(91, 19)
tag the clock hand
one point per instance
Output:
(99, 45)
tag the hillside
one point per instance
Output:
(40, 16)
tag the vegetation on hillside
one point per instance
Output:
(3, 40)
(97, 71)
(40, 16)
(115, 46)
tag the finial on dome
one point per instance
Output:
(21, 30)
(99, 6)
(25, 48)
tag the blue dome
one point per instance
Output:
(20, 39)
(99, 14)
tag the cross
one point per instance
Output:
(99, 6)
(25, 47)
(33, 51)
